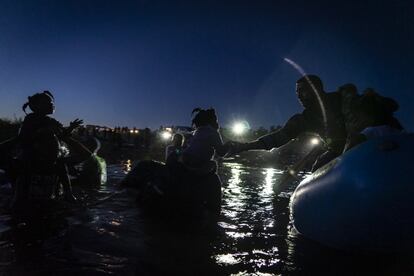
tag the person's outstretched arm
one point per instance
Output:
(220, 148)
(294, 126)
(72, 126)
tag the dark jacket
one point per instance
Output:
(331, 129)
(368, 109)
(38, 137)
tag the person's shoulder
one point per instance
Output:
(205, 129)
(300, 116)
(298, 120)
(53, 121)
(30, 117)
(333, 99)
(333, 96)
(213, 131)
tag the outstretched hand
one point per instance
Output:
(236, 147)
(75, 124)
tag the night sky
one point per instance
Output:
(149, 63)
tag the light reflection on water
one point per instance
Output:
(253, 237)
(128, 166)
(269, 182)
(247, 219)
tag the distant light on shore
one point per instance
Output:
(240, 128)
(166, 135)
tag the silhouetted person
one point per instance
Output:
(321, 115)
(40, 137)
(206, 140)
(190, 179)
(368, 116)
(147, 138)
(175, 148)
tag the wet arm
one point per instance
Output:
(222, 149)
(294, 126)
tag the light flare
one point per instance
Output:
(315, 141)
(239, 128)
(166, 135)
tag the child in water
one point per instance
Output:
(175, 148)
(205, 142)
(40, 137)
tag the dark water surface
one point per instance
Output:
(109, 235)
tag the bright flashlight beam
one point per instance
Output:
(166, 135)
(303, 73)
(240, 128)
(315, 141)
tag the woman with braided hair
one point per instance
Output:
(206, 140)
(189, 181)
(40, 138)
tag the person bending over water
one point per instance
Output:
(40, 138)
(335, 116)
(321, 115)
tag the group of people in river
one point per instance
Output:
(342, 119)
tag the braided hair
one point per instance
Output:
(204, 117)
(34, 100)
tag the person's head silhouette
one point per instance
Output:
(308, 89)
(177, 140)
(205, 117)
(41, 103)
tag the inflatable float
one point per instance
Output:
(362, 200)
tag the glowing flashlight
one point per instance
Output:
(240, 128)
(166, 135)
(315, 141)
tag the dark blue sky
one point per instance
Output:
(148, 63)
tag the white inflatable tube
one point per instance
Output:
(363, 200)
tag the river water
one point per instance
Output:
(108, 235)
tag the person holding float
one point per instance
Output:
(340, 118)
(321, 115)
(362, 200)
